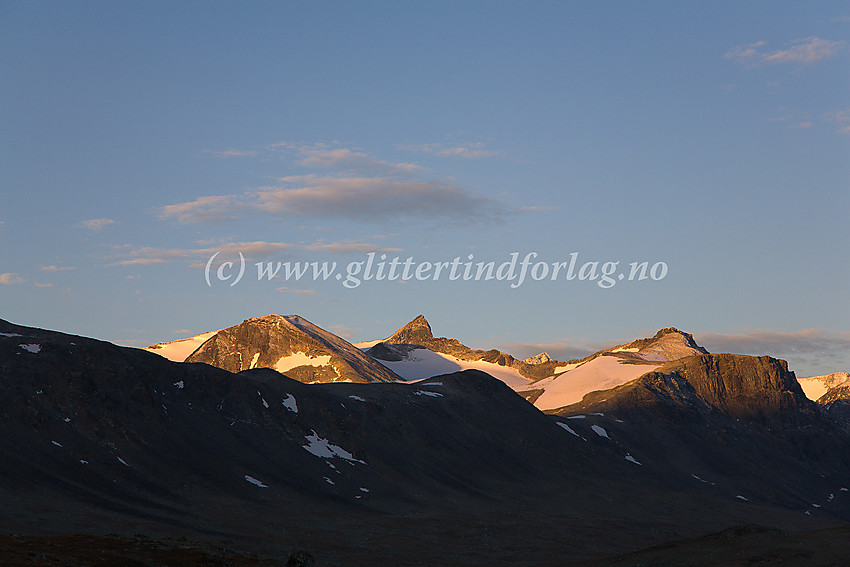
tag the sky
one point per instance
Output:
(152, 151)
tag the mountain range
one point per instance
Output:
(275, 435)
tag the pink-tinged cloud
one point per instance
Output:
(841, 120)
(369, 199)
(203, 209)
(57, 268)
(232, 153)
(148, 255)
(802, 52)
(347, 247)
(376, 199)
(476, 150)
(346, 159)
(94, 225)
(297, 291)
(10, 278)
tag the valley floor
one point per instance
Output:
(743, 546)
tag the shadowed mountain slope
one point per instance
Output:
(103, 439)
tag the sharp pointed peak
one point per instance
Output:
(419, 320)
(418, 328)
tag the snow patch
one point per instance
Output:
(358, 398)
(179, 385)
(322, 448)
(286, 363)
(364, 489)
(567, 367)
(427, 393)
(290, 404)
(57, 444)
(83, 462)
(699, 479)
(254, 361)
(567, 427)
(329, 481)
(122, 461)
(600, 431)
(632, 460)
(33, 348)
(11, 335)
(739, 497)
(577, 417)
(254, 481)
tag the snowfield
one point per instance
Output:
(425, 363)
(601, 373)
(179, 350)
(817, 386)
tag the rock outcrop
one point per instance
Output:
(293, 346)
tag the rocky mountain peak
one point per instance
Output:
(541, 358)
(291, 345)
(418, 331)
(667, 344)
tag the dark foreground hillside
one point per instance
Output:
(113, 450)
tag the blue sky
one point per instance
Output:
(140, 139)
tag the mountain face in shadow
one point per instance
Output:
(456, 469)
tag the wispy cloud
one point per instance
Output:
(43, 284)
(474, 150)
(802, 52)
(297, 291)
(375, 199)
(139, 262)
(371, 199)
(58, 268)
(841, 120)
(10, 278)
(346, 159)
(126, 255)
(138, 256)
(319, 155)
(231, 153)
(94, 225)
(347, 183)
(202, 209)
(347, 247)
